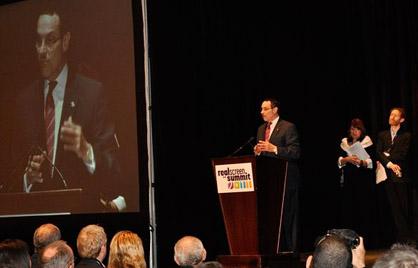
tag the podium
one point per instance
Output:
(251, 194)
(54, 202)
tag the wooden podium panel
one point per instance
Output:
(253, 220)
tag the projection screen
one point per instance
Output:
(69, 146)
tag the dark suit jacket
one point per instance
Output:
(398, 152)
(89, 263)
(85, 102)
(285, 137)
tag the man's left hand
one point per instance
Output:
(74, 140)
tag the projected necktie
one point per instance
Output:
(267, 133)
(49, 117)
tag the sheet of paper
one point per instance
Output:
(380, 173)
(358, 150)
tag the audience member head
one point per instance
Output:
(57, 255)
(399, 256)
(126, 250)
(14, 253)
(44, 235)
(330, 252)
(189, 251)
(91, 242)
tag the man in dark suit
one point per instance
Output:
(62, 121)
(393, 148)
(278, 138)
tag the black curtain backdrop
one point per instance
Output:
(214, 61)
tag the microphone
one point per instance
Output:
(242, 146)
(64, 182)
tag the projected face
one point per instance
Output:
(51, 46)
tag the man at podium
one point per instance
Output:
(278, 138)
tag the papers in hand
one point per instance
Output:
(380, 173)
(357, 150)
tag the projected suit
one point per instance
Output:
(84, 102)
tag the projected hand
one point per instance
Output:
(33, 169)
(74, 140)
(109, 206)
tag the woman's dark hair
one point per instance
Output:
(14, 253)
(357, 123)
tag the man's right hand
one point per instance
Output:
(33, 169)
(395, 168)
(359, 255)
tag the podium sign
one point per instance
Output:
(233, 178)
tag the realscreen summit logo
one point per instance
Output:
(234, 178)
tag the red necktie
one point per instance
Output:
(267, 133)
(49, 117)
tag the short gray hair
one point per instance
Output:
(189, 250)
(57, 255)
(90, 240)
(399, 255)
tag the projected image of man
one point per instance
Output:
(62, 124)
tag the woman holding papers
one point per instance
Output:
(357, 181)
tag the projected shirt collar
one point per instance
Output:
(58, 93)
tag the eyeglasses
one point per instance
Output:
(48, 41)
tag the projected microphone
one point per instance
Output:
(64, 182)
(242, 146)
(115, 137)
(19, 165)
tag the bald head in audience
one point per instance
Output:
(189, 251)
(45, 234)
(57, 255)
